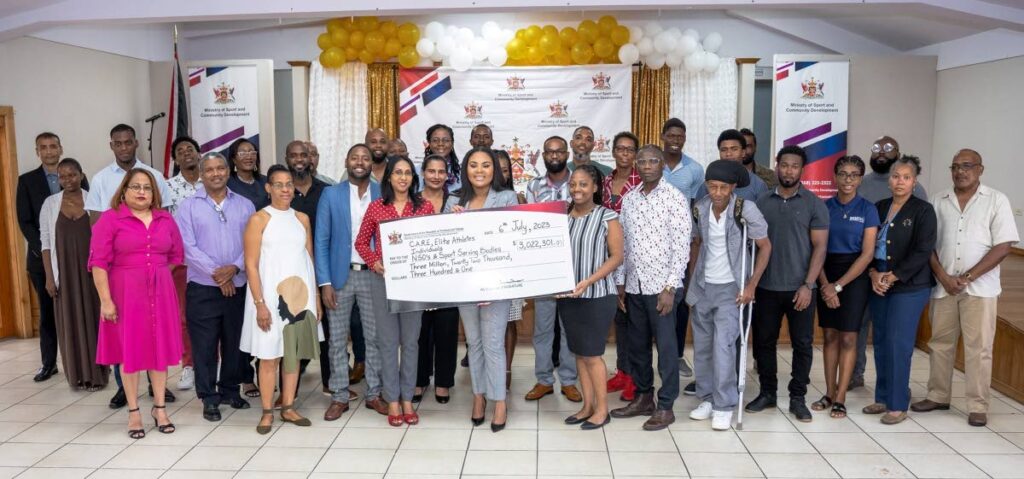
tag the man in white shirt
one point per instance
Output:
(976, 232)
(656, 220)
(105, 184)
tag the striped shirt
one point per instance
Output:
(588, 236)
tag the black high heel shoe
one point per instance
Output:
(495, 427)
(477, 420)
(166, 428)
(136, 433)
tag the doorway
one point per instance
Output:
(15, 309)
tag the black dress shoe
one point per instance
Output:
(574, 420)
(761, 402)
(211, 412)
(235, 402)
(442, 399)
(798, 407)
(45, 373)
(416, 398)
(119, 400)
(168, 395)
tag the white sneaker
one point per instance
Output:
(702, 412)
(721, 420)
(187, 379)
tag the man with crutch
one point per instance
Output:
(720, 286)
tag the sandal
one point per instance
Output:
(136, 433)
(838, 410)
(254, 392)
(165, 428)
(411, 419)
(396, 420)
(266, 429)
(301, 421)
(822, 404)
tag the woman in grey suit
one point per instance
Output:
(484, 323)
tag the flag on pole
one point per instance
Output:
(177, 121)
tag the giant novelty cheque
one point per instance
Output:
(491, 255)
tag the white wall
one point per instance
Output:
(978, 107)
(75, 92)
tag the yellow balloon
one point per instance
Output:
(408, 57)
(569, 36)
(582, 52)
(340, 38)
(534, 55)
(357, 39)
(532, 35)
(323, 41)
(613, 58)
(368, 24)
(620, 35)
(351, 54)
(365, 56)
(603, 47)
(588, 31)
(408, 34)
(516, 49)
(550, 43)
(606, 24)
(335, 24)
(374, 42)
(332, 57)
(388, 28)
(550, 29)
(564, 57)
(392, 48)
(521, 33)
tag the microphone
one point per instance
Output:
(155, 117)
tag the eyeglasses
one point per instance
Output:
(140, 188)
(246, 153)
(625, 149)
(880, 148)
(401, 173)
(647, 161)
(962, 167)
(283, 186)
(220, 213)
(842, 175)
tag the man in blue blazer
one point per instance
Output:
(344, 278)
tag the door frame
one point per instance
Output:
(21, 326)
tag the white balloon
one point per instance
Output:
(711, 62)
(629, 54)
(479, 48)
(673, 60)
(695, 62)
(507, 36)
(694, 34)
(490, 30)
(451, 30)
(645, 46)
(652, 29)
(712, 42)
(664, 42)
(636, 34)
(437, 56)
(435, 30)
(675, 32)
(425, 47)
(686, 46)
(655, 61)
(497, 57)
(425, 62)
(446, 45)
(465, 37)
(461, 59)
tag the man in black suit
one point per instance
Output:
(33, 188)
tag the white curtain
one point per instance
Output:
(337, 113)
(707, 103)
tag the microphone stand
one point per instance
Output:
(149, 142)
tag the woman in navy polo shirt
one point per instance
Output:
(844, 284)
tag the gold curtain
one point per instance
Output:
(382, 97)
(651, 90)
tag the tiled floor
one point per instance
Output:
(48, 430)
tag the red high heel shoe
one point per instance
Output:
(411, 419)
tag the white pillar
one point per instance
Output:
(745, 105)
(300, 99)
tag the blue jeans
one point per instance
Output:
(896, 316)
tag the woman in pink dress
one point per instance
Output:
(135, 245)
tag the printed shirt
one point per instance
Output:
(541, 189)
(377, 212)
(180, 189)
(613, 201)
(657, 229)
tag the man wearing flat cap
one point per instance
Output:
(715, 273)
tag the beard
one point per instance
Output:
(555, 167)
(788, 184)
(379, 159)
(300, 174)
(748, 160)
(881, 165)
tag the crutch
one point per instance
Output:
(746, 319)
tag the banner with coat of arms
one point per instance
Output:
(523, 107)
(812, 110)
(224, 105)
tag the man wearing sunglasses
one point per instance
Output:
(212, 222)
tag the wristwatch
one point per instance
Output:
(810, 286)
(258, 301)
(838, 287)
(669, 289)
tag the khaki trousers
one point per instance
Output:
(975, 318)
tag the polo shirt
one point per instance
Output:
(687, 177)
(875, 187)
(848, 222)
(964, 237)
(790, 221)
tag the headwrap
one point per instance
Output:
(728, 171)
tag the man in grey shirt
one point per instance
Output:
(875, 187)
(798, 230)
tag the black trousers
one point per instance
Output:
(682, 320)
(47, 324)
(622, 356)
(439, 348)
(770, 307)
(644, 324)
(215, 325)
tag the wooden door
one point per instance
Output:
(15, 312)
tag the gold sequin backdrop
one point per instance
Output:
(650, 100)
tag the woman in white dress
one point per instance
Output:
(281, 309)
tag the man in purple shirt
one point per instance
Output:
(212, 222)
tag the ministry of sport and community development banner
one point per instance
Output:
(523, 107)
(812, 110)
(224, 105)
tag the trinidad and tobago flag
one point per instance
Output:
(177, 121)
